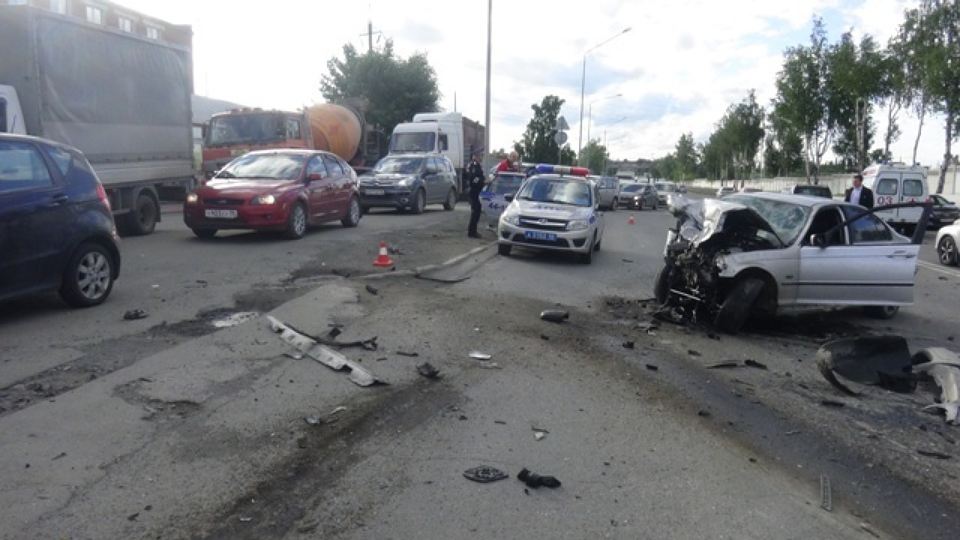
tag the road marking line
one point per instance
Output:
(935, 268)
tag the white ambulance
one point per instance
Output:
(894, 183)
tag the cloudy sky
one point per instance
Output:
(678, 68)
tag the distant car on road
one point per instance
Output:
(608, 189)
(810, 189)
(638, 196)
(275, 190)
(56, 227)
(948, 238)
(493, 198)
(664, 190)
(558, 210)
(410, 182)
(944, 211)
(725, 190)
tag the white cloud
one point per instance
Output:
(681, 65)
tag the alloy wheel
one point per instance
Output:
(93, 275)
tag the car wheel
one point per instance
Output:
(88, 278)
(661, 285)
(947, 251)
(655, 204)
(296, 222)
(881, 312)
(587, 258)
(419, 202)
(736, 307)
(504, 249)
(352, 218)
(613, 207)
(204, 233)
(596, 247)
(640, 207)
(451, 201)
(364, 210)
(142, 218)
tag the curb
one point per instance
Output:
(427, 268)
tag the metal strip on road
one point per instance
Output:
(938, 268)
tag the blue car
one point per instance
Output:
(56, 228)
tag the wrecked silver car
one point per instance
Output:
(759, 252)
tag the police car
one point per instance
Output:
(555, 209)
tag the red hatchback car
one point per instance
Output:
(275, 190)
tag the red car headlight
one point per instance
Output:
(264, 199)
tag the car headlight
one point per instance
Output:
(637, 198)
(264, 199)
(578, 225)
(405, 182)
(512, 219)
(192, 198)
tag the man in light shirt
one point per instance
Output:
(858, 194)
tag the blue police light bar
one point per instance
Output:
(545, 168)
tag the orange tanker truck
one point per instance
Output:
(335, 128)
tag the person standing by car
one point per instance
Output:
(509, 164)
(858, 194)
(475, 179)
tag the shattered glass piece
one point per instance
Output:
(484, 474)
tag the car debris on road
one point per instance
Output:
(554, 315)
(534, 480)
(427, 370)
(323, 354)
(134, 314)
(485, 474)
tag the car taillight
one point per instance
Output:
(102, 195)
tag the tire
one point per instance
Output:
(596, 247)
(204, 233)
(587, 258)
(504, 249)
(451, 201)
(947, 251)
(142, 219)
(881, 312)
(88, 278)
(640, 207)
(364, 210)
(296, 222)
(419, 202)
(352, 218)
(736, 307)
(661, 285)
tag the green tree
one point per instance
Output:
(393, 88)
(538, 144)
(942, 81)
(594, 156)
(854, 82)
(686, 158)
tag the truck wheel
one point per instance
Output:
(142, 218)
(881, 312)
(737, 305)
(451, 201)
(88, 278)
(353, 214)
(504, 249)
(204, 233)
(419, 202)
(947, 251)
(296, 222)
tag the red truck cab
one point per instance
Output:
(234, 133)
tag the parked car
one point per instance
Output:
(56, 227)
(894, 184)
(608, 190)
(410, 182)
(948, 238)
(638, 196)
(760, 252)
(725, 190)
(275, 190)
(664, 190)
(810, 189)
(494, 196)
(944, 211)
(556, 210)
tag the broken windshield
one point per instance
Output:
(786, 219)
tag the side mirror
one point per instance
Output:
(314, 176)
(508, 198)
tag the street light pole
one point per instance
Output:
(583, 82)
(486, 136)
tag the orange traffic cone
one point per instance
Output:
(631, 221)
(383, 260)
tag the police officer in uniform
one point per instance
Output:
(475, 179)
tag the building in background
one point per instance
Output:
(112, 15)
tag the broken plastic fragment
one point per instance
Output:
(372, 290)
(477, 355)
(554, 315)
(754, 364)
(874, 360)
(721, 365)
(484, 474)
(134, 314)
(427, 370)
(539, 435)
(933, 454)
(943, 366)
(534, 480)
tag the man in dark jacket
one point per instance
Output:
(475, 181)
(858, 194)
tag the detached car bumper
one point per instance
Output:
(572, 241)
(257, 217)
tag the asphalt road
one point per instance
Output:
(172, 427)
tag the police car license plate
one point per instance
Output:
(373, 192)
(536, 235)
(220, 214)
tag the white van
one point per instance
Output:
(898, 183)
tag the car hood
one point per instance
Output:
(551, 210)
(701, 220)
(244, 187)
